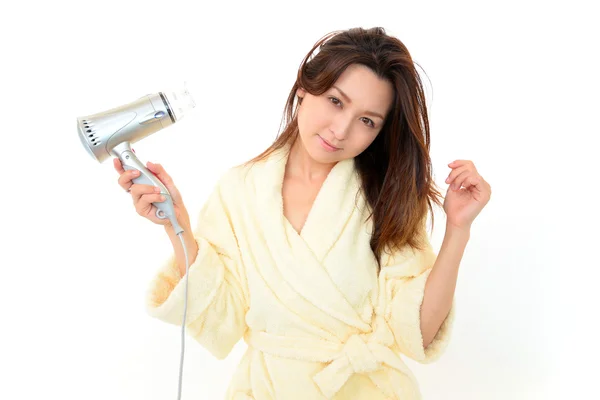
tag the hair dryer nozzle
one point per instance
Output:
(180, 102)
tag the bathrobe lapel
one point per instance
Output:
(299, 257)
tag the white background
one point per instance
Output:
(512, 86)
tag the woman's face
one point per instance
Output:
(348, 116)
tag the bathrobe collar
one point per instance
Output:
(333, 206)
(299, 257)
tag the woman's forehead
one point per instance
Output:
(360, 86)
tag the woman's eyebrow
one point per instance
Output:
(374, 114)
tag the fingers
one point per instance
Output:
(126, 177)
(118, 166)
(461, 169)
(473, 181)
(160, 172)
(455, 173)
(165, 178)
(144, 205)
(139, 190)
(467, 178)
(459, 180)
(143, 197)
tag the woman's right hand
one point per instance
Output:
(144, 195)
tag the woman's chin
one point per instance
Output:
(319, 153)
(321, 156)
(324, 154)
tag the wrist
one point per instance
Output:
(458, 233)
(170, 230)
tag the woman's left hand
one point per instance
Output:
(462, 205)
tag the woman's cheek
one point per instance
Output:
(322, 119)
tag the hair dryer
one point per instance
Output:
(111, 133)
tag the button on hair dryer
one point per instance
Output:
(111, 133)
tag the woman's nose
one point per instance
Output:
(340, 127)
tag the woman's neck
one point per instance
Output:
(302, 166)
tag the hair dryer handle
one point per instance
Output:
(130, 161)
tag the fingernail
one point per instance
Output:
(136, 172)
(157, 189)
(162, 198)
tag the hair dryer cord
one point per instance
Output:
(184, 308)
(176, 227)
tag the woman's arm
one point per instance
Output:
(441, 283)
(190, 244)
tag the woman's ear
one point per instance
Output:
(300, 92)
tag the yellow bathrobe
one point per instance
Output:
(320, 323)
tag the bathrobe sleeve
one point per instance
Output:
(217, 298)
(405, 278)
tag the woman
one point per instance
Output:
(316, 252)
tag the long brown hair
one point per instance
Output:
(395, 170)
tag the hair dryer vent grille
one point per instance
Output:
(91, 134)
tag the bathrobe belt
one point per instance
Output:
(360, 353)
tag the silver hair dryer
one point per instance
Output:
(111, 133)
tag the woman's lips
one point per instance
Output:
(326, 145)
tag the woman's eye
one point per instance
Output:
(369, 122)
(335, 101)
